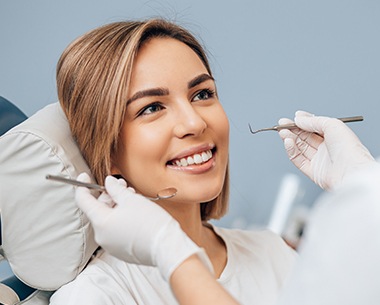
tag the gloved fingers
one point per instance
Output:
(287, 133)
(285, 121)
(307, 121)
(313, 140)
(301, 159)
(301, 139)
(106, 199)
(94, 209)
(310, 139)
(298, 158)
(307, 142)
(117, 189)
(304, 146)
(320, 124)
(290, 146)
(122, 182)
(84, 177)
(299, 152)
(300, 113)
(289, 140)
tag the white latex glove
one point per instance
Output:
(324, 149)
(136, 230)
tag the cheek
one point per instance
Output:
(135, 155)
(222, 126)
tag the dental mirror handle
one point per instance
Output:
(163, 194)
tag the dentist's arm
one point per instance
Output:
(339, 253)
(193, 284)
(324, 149)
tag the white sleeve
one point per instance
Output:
(339, 259)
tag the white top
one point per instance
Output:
(258, 264)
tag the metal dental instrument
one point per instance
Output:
(292, 125)
(163, 194)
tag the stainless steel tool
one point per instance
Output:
(163, 194)
(291, 126)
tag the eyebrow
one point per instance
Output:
(164, 91)
(199, 79)
(148, 92)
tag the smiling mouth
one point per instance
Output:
(196, 159)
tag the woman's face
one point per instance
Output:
(175, 132)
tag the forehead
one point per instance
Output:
(161, 59)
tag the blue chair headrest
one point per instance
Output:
(10, 115)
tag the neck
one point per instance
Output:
(189, 217)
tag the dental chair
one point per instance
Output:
(46, 239)
(10, 115)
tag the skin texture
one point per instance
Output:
(203, 290)
(173, 112)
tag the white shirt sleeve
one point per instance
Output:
(339, 259)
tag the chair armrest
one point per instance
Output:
(12, 290)
(7, 295)
(19, 288)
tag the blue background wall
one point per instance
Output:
(270, 59)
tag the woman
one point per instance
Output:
(142, 103)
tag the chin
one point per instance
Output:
(201, 194)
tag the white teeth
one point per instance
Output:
(195, 159)
(205, 157)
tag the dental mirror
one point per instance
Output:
(163, 194)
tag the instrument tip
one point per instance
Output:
(251, 130)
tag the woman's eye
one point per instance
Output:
(204, 95)
(152, 108)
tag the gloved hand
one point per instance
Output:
(136, 230)
(323, 148)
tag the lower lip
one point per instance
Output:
(195, 168)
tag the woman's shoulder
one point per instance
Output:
(257, 236)
(98, 283)
(255, 241)
(107, 280)
(256, 255)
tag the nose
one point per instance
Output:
(189, 122)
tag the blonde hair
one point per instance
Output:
(93, 75)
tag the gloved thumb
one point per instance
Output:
(310, 123)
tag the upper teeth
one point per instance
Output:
(194, 159)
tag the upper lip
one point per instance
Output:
(193, 150)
